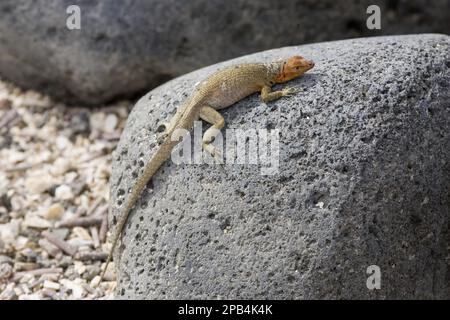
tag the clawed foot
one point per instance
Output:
(213, 151)
(289, 91)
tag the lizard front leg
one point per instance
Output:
(267, 95)
(213, 117)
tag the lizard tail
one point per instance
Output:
(150, 169)
(120, 225)
(108, 260)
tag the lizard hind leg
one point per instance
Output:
(213, 117)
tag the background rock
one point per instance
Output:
(129, 46)
(364, 180)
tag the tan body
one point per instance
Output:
(220, 90)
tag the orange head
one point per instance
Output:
(292, 68)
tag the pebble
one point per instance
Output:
(77, 289)
(61, 233)
(25, 266)
(38, 184)
(79, 123)
(17, 202)
(9, 292)
(60, 166)
(36, 222)
(51, 285)
(9, 231)
(6, 259)
(91, 272)
(63, 192)
(82, 233)
(16, 156)
(4, 217)
(95, 282)
(49, 247)
(54, 212)
(62, 142)
(33, 296)
(49, 293)
(79, 242)
(79, 267)
(21, 242)
(5, 103)
(6, 271)
(110, 123)
(4, 184)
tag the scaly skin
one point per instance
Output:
(218, 91)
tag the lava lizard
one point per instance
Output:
(220, 90)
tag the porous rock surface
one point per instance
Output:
(364, 180)
(127, 47)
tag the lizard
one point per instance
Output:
(218, 91)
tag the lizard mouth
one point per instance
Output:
(311, 65)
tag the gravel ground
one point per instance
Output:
(55, 164)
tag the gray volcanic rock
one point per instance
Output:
(129, 46)
(364, 179)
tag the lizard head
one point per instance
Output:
(293, 67)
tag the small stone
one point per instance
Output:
(32, 296)
(6, 271)
(62, 142)
(61, 233)
(28, 254)
(17, 203)
(78, 187)
(16, 156)
(4, 217)
(65, 262)
(54, 212)
(63, 192)
(6, 259)
(36, 222)
(91, 272)
(38, 184)
(95, 282)
(5, 184)
(51, 285)
(79, 267)
(9, 231)
(110, 123)
(25, 266)
(60, 166)
(8, 294)
(77, 290)
(79, 242)
(50, 248)
(5, 103)
(21, 242)
(79, 123)
(82, 233)
(49, 293)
